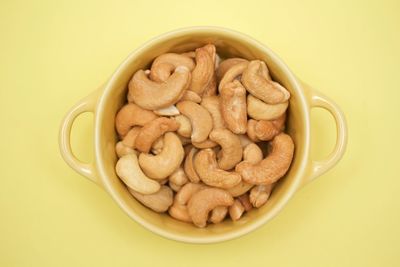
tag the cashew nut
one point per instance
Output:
(265, 130)
(211, 88)
(225, 65)
(199, 117)
(152, 95)
(123, 150)
(245, 200)
(168, 111)
(203, 73)
(189, 168)
(153, 130)
(212, 104)
(232, 74)
(252, 154)
(159, 201)
(205, 144)
(178, 210)
(130, 138)
(190, 96)
(131, 115)
(185, 128)
(128, 170)
(233, 106)
(166, 162)
(206, 166)
(262, 87)
(271, 168)
(231, 152)
(165, 64)
(260, 194)
(218, 214)
(259, 110)
(236, 210)
(178, 177)
(202, 202)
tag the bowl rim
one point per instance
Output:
(243, 229)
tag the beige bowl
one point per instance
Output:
(105, 102)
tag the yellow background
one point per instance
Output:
(52, 53)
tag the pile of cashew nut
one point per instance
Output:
(192, 132)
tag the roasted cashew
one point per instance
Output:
(199, 117)
(178, 210)
(211, 88)
(153, 130)
(262, 87)
(236, 210)
(165, 64)
(212, 104)
(206, 166)
(122, 150)
(225, 65)
(179, 177)
(232, 74)
(190, 96)
(152, 95)
(185, 127)
(271, 168)
(260, 194)
(168, 111)
(188, 166)
(205, 144)
(265, 130)
(202, 202)
(218, 214)
(245, 200)
(132, 115)
(130, 138)
(259, 110)
(128, 170)
(233, 106)
(231, 152)
(252, 154)
(166, 162)
(159, 201)
(203, 73)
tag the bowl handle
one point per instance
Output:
(87, 104)
(316, 99)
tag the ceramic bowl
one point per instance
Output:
(106, 101)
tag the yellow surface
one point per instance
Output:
(54, 53)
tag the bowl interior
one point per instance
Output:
(229, 44)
